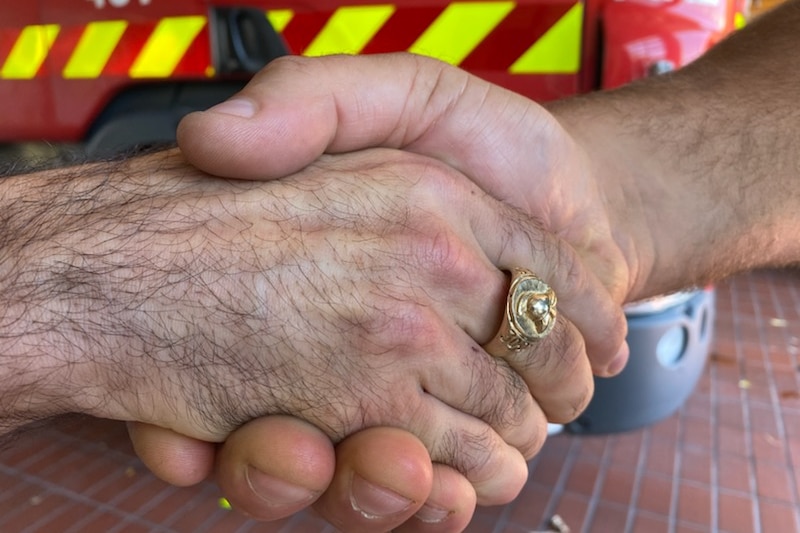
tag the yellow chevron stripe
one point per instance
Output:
(460, 29)
(95, 47)
(29, 52)
(349, 30)
(166, 46)
(558, 51)
(280, 18)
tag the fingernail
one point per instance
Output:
(432, 515)
(238, 106)
(619, 361)
(275, 491)
(375, 502)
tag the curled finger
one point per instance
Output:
(449, 507)
(274, 466)
(383, 477)
(512, 240)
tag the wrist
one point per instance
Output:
(591, 123)
(685, 187)
(39, 373)
(69, 264)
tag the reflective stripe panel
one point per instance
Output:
(460, 29)
(280, 18)
(95, 47)
(166, 46)
(349, 30)
(558, 51)
(29, 52)
(463, 30)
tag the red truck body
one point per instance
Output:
(64, 62)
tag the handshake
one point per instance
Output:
(405, 273)
(401, 301)
(427, 304)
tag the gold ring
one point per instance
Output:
(529, 316)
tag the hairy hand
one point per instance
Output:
(299, 108)
(355, 293)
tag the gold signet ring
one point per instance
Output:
(529, 316)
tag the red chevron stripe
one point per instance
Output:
(302, 29)
(521, 28)
(128, 49)
(402, 29)
(62, 48)
(197, 58)
(8, 37)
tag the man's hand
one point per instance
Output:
(354, 294)
(297, 108)
(282, 121)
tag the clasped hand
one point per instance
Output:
(359, 290)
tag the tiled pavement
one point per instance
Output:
(729, 461)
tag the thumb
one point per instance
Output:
(298, 108)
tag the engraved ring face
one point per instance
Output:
(531, 305)
(530, 311)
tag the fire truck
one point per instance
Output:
(110, 74)
(119, 72)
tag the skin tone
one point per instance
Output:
(668, 183)
(342, 295)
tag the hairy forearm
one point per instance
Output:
(701, 167)
(91, 257)
(40, 324)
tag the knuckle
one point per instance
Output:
(410, 328)
(582, 401)
(287, 63)
(496, 393)
(573, 405)
(468, 452)
(444, 259)
(511, 408)
(573, 276)
(534, 445)
(445, 255)
(485, 460)
(410, 321)
(439, 246)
